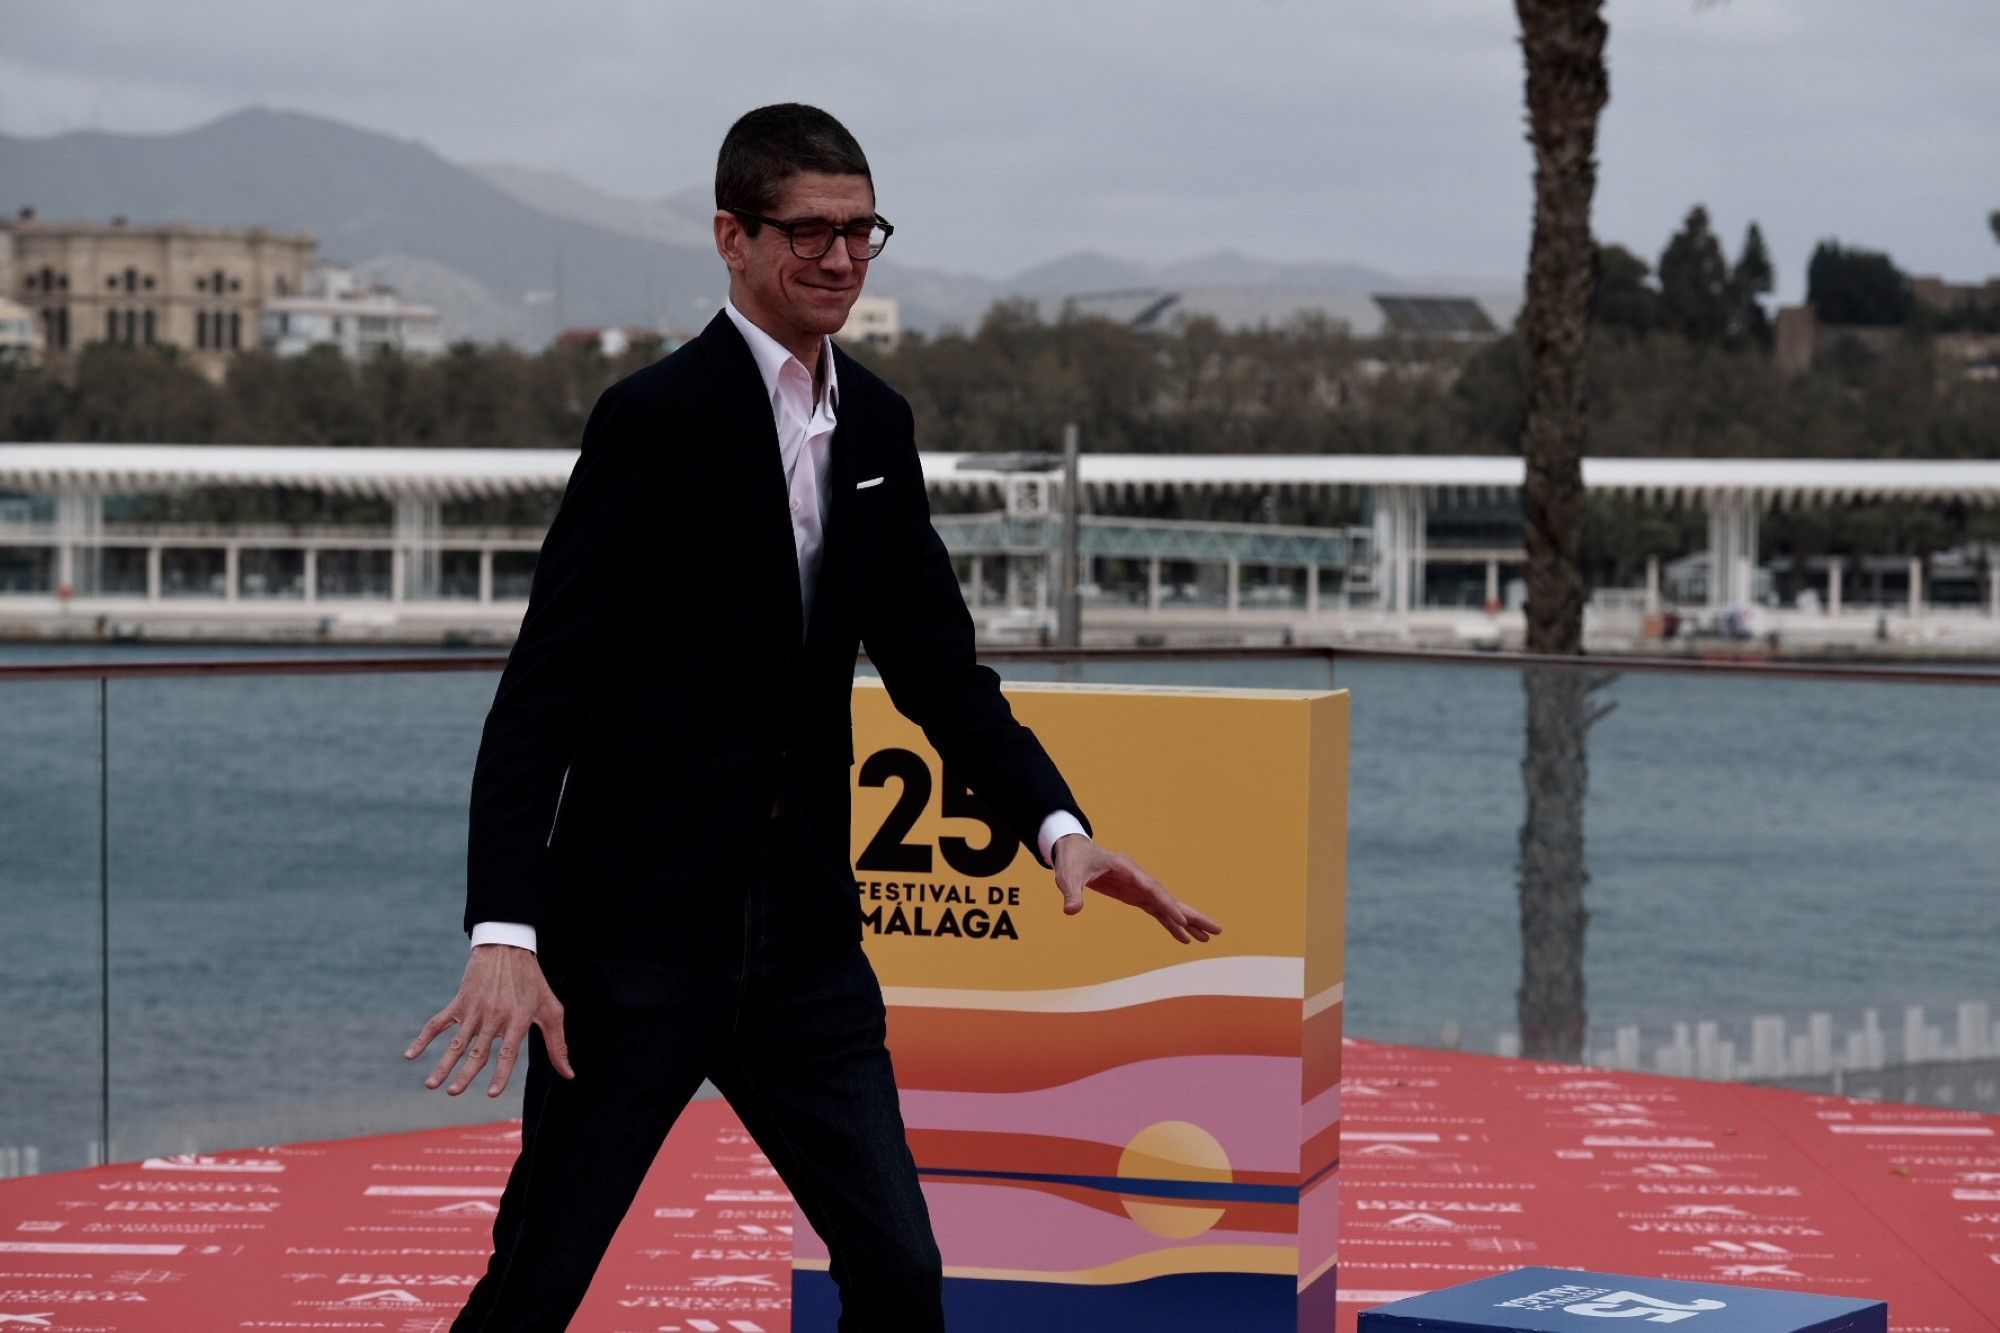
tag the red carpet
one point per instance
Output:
(1453, 1166)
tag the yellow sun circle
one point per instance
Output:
(1173, 1150)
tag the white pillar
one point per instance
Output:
(1732, 550)
(231, 571)
(1385, 545)
(1420, 560)
(1748, 534)
(1235, 584)
(1836, 566)
(418, 523)
(1153, 584)
(311, 574)
(1406, 554)
(1993, 590)
(1389, 547)
(1718, 552)
(1492, 581)
(397, 565)
(1399, 547)
(1018, 572)
(79, 541)
(153, 571)
(1397, 588)
(1652, 583)
(1916, 585)
(1312, 589)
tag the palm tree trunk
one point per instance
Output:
(1567, 86)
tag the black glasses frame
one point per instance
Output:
(791, 231)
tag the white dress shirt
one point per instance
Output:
(805, 422)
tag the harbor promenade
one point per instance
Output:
(1433, 558)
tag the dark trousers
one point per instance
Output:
(783, 1013)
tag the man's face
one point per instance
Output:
(798, 300)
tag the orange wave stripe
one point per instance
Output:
(980, 1050)
(1274, 1218)
(1322, 1050)
(1320, 1151)
(980, 1150)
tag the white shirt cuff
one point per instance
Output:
(504, 932)
(1059, 824)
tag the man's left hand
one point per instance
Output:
(1081, 864)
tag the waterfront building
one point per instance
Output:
(1956, 298)
(1437, 557)
(201, 290)
(20, 338)
(875, 321)
(1800, 338)
(333, 309)
(1971, 350)
(1456, 317)
(615, 340)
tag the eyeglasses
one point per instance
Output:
(813, 237)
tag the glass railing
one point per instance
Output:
(1790, 877)
(53, 1074)
(230, 888)
(227, 888)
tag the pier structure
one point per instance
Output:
(1383, 567)
(71, 563)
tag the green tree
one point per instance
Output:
(1622, 295)
(312, 398)
(1749, 279)
(141, 395)
(34, 405)
(1694, 282)
(1847, 285)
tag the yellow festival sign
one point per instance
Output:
(1115, 1130)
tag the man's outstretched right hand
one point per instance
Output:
(502, 996)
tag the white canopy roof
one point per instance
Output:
(456, 473)
(121, 469)
(1783, 481)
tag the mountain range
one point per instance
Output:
(510, 252)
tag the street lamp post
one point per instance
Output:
(1069, 606)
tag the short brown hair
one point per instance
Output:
(768, 146)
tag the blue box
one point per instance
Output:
(1561, 1300)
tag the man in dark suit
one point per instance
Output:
(658, 881)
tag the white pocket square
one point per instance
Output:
(864, 485)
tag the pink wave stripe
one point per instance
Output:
(1319, 1217)
(1321, 1113)
(1009, 1227)
(1249, 1102)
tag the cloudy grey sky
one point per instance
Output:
(1385, 132)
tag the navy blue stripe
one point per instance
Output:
(1220, 1191)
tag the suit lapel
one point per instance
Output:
(758, 467)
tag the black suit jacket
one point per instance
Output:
(664, 690)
